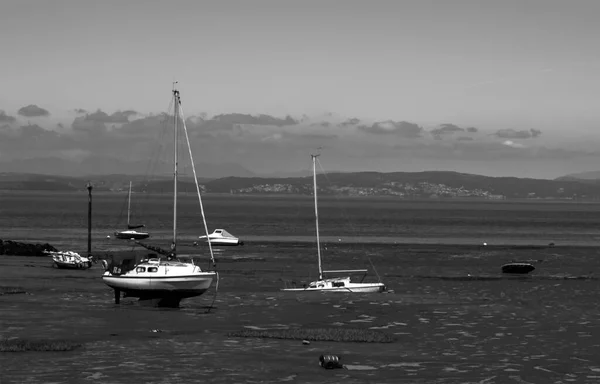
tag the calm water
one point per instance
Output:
(455, 317)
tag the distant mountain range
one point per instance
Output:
(434, 184)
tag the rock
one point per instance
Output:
(9, 247)
(305, 342)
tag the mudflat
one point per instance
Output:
(454, 317)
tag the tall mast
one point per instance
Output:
(314, 159)
(175, 160)
(129, 205)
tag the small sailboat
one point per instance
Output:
(166, 279)
(221, 237)
(130, 232)
(69, 260)
(336, 284)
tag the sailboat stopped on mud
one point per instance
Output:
(166, 279)
(130, 232)
(336, 284)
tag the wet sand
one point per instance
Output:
(455, 317)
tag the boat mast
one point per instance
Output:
(175, 118)
(314, 160)
(129, 205)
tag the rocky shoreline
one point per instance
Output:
(15, 248)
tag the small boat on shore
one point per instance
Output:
(517, 267)
(221, 237)
(130, 232)
(70, 260)
(335, 284)
(167, 279)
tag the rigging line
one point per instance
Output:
(345, 217)
(187, 138)
(215, 295)
(212, 256)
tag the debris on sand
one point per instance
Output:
(22, 345)
(11, 291)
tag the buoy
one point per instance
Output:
(108, 236)
(484, 244)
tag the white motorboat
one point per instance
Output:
(221, 237)
(168, 279)
(70, 260)
(338, 284)
(130, 232)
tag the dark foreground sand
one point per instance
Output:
(456, 319)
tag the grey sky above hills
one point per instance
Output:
(492, 88)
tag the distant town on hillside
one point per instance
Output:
(406, 185)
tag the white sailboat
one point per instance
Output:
(165, 280)
(336, 284)
(130, 232)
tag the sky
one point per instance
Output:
(501, 88)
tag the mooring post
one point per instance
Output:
(89, 247)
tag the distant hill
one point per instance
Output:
(412, 184)
(593, 175)
(433, 184)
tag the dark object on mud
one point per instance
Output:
(11, 291)
(21, 345)
(330, 362)
(15, 248)
(516, 267)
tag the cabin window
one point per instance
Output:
(140, 269)
(152, 269)
(338, 283)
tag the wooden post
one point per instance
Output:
(89, 242)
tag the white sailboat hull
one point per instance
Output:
(352, 288)
(131, 235)
(156, 278)
(188, 286)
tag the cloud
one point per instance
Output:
(79, 111)
(485, 151)
(31, 140)
(83, 124)
(513, 134)
(472, 129)
(389, 127)
(119, 117)
(239, 118)
(464, 138)
(33, 110)
(352, 121)
(510, 143)
(4, 118)
(445, 129)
